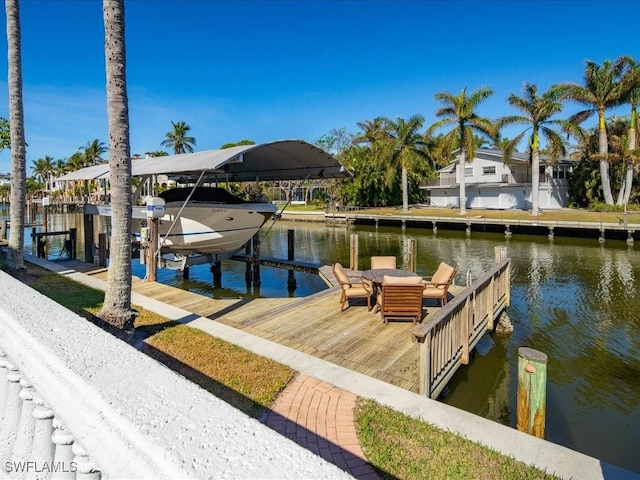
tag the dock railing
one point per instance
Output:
(447, 338)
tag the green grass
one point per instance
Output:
(407, 448)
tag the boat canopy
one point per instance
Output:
(279, 160)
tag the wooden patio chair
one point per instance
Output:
(401, 298)
(349, 288)
(383, 262)
(438, 286)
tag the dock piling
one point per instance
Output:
(291, 246)
(532, 391)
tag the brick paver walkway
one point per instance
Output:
(319, 417)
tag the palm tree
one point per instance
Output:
(459, 110)
(536, 114)
(405, 146)
(43, 169)
(116, 309)
(15, 252)
(92, 152)
(178, 139)
(634, 101)
(605, 86)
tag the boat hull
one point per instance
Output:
(210, 229)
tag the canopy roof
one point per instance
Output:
(279, 160)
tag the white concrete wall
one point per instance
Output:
(501, 196)
(133, 416)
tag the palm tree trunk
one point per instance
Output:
(463, 192)
(116, 309)
(535, 182)
(405, 190)
(603, 149)
(15, 252)
(632, 146)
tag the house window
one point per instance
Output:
(489, 170)
(468, 172)
(560, 171)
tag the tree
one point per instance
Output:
(536, 114)
(459, 110)
(92, 152)
(15, 252)
(632, 155)
(237, 144)
(405, 147)
(605, 86)
(43, 169)
(5, 134)
(178, 139)
(116, 309)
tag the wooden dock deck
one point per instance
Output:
(355, 339)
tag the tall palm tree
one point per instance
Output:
(116, 309)
(93, 151)
(634, 101)
(605, 86)
(15, 252)
(537, 111)
(43, 169)
(405, 146)
(459, 110)
(178, 138)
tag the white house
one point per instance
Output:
(490, 183)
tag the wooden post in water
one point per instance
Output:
(102, 249)
(216, 270)
(353, 251)
(500, 253)
(73, 243)
(152, 248)
(3, 229)
(88, 238)
(256, 260)
(532, 391)
(248, 275)
(291, 247)
(412, 254)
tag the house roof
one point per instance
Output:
(495, 154)
(279, 160)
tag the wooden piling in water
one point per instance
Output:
(412, 254)
(152, 249)
(532, 391)
(353, 251)
(291, 246)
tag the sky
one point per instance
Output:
(273, 70)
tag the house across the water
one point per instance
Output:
(490, 183)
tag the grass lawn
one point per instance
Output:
(394, 443)
(566, 215)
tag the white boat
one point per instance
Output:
(208, 221)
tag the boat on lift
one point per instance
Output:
(208, 221)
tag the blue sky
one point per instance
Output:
(266, 70)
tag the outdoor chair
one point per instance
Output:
(438, 286)
(383, 262)
(401, 298)
(349, 288)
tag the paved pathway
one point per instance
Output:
(318, 416)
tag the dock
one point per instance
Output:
(355, 339)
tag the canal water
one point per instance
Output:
(574, 299)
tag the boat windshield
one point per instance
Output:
(201, 194)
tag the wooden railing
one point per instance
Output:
(447, 338)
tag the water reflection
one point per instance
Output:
(575, 300)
